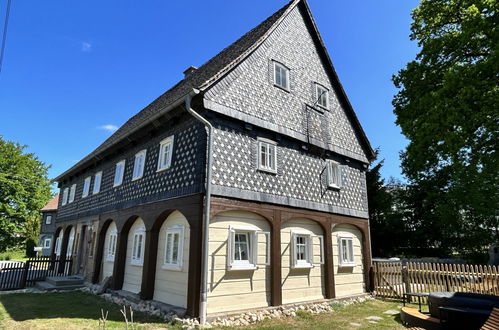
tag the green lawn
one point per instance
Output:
(14, 255)
(78, 310)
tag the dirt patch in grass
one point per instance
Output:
(65, 310)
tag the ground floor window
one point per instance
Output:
(243, 249)
(46, 243)
(303, 246)
(138, 247)
(345, 244)
(57, 249)
(174, 245)
(111, 248)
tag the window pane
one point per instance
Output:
(135, 242)
(175, 248)
(241, 247)
(168, 248)
(139, 247)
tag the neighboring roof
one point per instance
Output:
(206, 75)
(52, 204)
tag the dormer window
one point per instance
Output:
(321, 96)
(281, 76)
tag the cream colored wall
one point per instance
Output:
(133, 274)
(236, 289)
(107, 266)
(300, 284)
(348, 280)
(170, 286)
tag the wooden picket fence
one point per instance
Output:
(393, 279)
(18, 275)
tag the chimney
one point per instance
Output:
(189, 70)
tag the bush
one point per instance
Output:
(30, 248)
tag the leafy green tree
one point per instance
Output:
(24, 190)
(447, 106)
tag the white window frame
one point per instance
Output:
(111, 245)
(97, 182)
(164, 164)
(318, 90)
(285, 69)
(252, 235)
(350, 260)
(333, 174)
(71, 240)
(57, 248)
(65, 195)
(119, 173)
(309, 261)
(171, 232)
(72, 193)
(139, 164)
(270, 155)
(86, 187)
(137, 258)
(47, 245)
(48, 219)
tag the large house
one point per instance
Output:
(243, 186)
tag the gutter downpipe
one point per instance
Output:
(206, 227)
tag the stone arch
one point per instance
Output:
(303, 262)
(351, 278)
(135, 232)
(171, 280)
(234, 286)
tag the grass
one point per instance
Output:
(65, 310)
(79, 310)
(340, 318)
(14, 255)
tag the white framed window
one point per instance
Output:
(322, 96)
(174, 246)
(72, 193)
(48, 219)
(345, 248)
(46, 243)
(333, 170)
(304, 247)
(165, 153)
(97, 182)
(111, 245)
(71, 240)
(281, 75)
(65, 194)
(119, 173)
(57, 248)
(138, 247)
(267, 156)
(139, 164)
(86, 187)
(247, 248)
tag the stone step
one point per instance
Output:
(46, 286)
(64, 280)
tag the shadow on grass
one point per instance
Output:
(66, 305)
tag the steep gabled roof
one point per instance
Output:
(209, 73)
(52, 205)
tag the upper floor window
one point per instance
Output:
(46, 243)
(165, 153)
(138, 247)
(119, 172)
(86, 187)
(138, 166)
(322, 96)
(305, 246)
(333, 171)
(97, 182)
(345, 244)
(267, 156)
(174, 248)
(111, 247)
(65, 194)
(281, 76)
(48, 219)
(244, 248)
(72, 193)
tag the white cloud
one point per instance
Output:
(108, 127)
(86, 46)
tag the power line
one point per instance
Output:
(4, 38)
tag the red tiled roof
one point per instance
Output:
(52, 205)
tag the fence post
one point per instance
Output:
(405, 279)
(24, 277)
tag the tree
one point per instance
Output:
(24, 190)
(447, 106)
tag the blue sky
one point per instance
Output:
(73, 70)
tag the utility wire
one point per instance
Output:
(4, 38)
